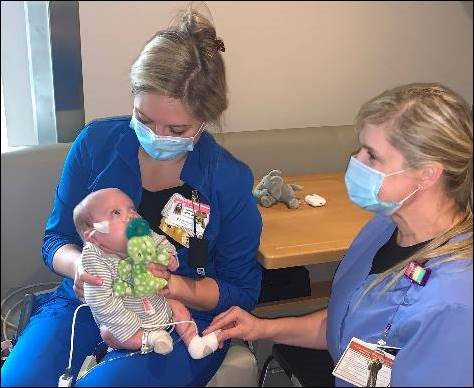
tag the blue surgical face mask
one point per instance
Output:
(162, 147)
(363, 186)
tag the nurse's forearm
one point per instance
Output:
(65, 260)
(308, 331)
(201, 294)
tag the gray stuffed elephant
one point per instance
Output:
(272, 189)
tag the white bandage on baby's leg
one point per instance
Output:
(200, 347)
(161, 341)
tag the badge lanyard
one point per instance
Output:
(197, 245)
(195, 198)
(417, 274)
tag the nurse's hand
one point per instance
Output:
(173, 263)
(236, 323)
(81, 277)
(163, 272)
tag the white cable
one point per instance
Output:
(72, 333)
(103, 362)
(65, 380)
(139, 352)
(177, 323)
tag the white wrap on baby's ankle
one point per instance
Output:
(161, 341)
(200, 347)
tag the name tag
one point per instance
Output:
(353, 366)
(180, 212)
(148, 307)
(181, 215)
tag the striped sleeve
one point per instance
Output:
(107, 308)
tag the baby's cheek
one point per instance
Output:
(120, 240)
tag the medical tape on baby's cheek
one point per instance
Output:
(101, 227)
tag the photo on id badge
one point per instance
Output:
(364, 364)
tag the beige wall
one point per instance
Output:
(290, 64)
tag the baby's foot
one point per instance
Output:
(161, 341)
(200, 347)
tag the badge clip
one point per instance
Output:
(417, 273)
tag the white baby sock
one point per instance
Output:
(200, 347)
(161, 341)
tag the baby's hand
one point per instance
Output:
(173, 263)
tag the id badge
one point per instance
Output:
(182, 213)
(354, 364)
(148, 307)
(174, 232)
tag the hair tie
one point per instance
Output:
(429, 92)
(219, 44)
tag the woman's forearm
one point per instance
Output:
(201, 294)
(307, 331)
(65, 260)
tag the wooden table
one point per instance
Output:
(310, 235)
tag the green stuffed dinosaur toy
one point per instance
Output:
(135, 279)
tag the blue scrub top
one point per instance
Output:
(432, 324)
(105, 154)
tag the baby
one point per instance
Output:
(135, 323)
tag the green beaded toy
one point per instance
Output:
(135, 279)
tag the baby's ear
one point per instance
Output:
(88, 234)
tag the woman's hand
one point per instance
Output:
(173, 263)
(236, 323)
(81, 277)
(163, 272)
